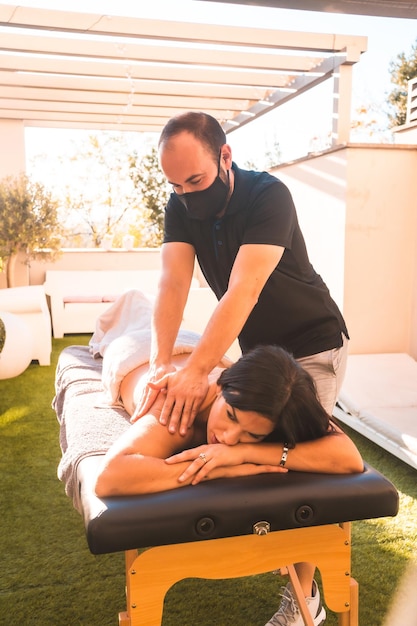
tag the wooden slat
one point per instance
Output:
(36, 94)
(94, 126)
(97, 108)
(123, 86)
(180, 30)
(186, 55)
(80, 67)
(92, 118)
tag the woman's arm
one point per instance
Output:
(135, 462)
(333, 454)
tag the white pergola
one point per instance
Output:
(381, 8)
(68, 69)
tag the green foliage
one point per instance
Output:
(2, 334)
(273, 155)
(402, 69)
(29, 221)
(109, 185)
(99, 198)
(153, 190)
(370, 123)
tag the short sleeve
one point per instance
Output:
(176, 226)
(272, 217)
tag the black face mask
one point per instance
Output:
(206, 204)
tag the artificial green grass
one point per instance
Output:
(48, 576)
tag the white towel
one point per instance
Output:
(123, 339)
(88, 423)
(131, 311)
(128, 352)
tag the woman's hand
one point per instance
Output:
(218, 461)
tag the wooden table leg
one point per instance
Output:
(351, 617)
(154, 571)
(130, 557)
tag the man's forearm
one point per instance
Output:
(223, 328)
(166, 321)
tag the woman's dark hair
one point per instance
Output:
(204, 127)
(270, 381)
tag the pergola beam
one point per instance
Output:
(69, 67)
(121, 26)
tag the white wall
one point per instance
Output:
(357, 206)
(97, 259)
(318, 187)
(381, 248)
(83, 259)
(92, 259)
(12, 153)
(406, 134)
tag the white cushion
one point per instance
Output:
(379, 380)
(380, 393)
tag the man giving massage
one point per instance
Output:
(242, 226)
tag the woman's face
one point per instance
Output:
(230, 426)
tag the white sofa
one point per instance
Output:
(29, 303)
(379, 400)
(77, 298)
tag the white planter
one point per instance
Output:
(128, 242)
(16, 354)
(107, 242)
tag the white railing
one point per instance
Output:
(412, 101)
(90, 259)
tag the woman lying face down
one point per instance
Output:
(263, 403)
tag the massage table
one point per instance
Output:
(225, 528)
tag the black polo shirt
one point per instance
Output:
(295, 309)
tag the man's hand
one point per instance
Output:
(155, 383)
(185, 392)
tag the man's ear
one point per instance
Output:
(227, 156)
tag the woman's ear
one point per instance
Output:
(217, 390)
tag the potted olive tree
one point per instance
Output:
(29, 223)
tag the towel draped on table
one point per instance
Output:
(87, 382)
(123, 338)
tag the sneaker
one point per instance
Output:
(289, 614)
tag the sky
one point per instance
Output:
(293, 125)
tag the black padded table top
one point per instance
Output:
(230, 507)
